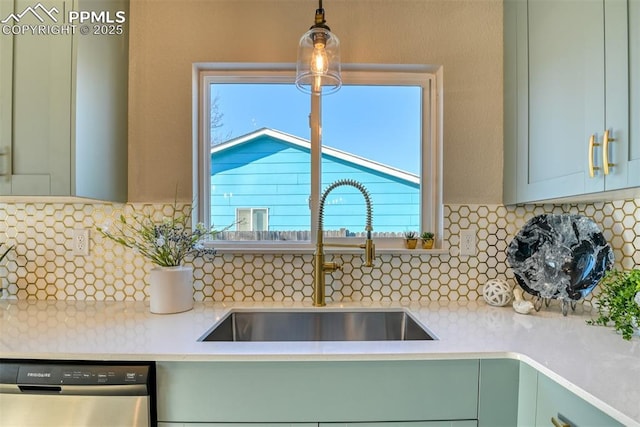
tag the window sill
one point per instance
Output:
(306, 248)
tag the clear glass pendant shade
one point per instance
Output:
(318, 68)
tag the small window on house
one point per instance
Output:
(252, 219)
(379, 129)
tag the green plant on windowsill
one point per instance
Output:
(427, 239)
(410, 239)
(619, 302)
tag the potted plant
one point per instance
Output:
(167, 243)
(427, 239)
(410, 239)
(619, 302)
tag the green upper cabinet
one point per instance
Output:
(6, 97)
(63, 101)
(36, 98)
(633, 160)
(568, 70)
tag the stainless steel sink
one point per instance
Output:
(317, 325)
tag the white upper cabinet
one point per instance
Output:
(567, 85)
(63, 101)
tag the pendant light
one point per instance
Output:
(318, 67)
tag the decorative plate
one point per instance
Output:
(559, 256)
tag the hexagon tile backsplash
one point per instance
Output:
(42, 266)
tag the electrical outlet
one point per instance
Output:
(468, 242)
(81, 242)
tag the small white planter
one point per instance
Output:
(171, 289)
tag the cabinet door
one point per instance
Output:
(633, 161)
(163, 424)
(332, 391)
(40, 142)
(499, 393)
(622, 99)
(6, 103)
(555, 401)
(565, 97)
(615, 151)
(100, 67)
(464, 423)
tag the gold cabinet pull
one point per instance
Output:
(5, 172)
(592, 145)
(605, 152)
(558, 423)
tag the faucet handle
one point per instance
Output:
(331, 266)
(369, 252)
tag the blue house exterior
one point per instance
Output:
(264, 178)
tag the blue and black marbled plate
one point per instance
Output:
(559, 256)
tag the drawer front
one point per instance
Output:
(317, 391)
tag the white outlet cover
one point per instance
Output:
(468, 242)
(80, 244)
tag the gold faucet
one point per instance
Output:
(321, 267)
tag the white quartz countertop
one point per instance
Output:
(593, 362)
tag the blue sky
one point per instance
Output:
(381, 123)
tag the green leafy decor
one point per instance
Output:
(619, 302)
(167, 242)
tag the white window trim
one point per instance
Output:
(431, 166)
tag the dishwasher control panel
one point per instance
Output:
(73, 374)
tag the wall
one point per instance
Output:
(272, 173)
(41, 265)
(167, 37)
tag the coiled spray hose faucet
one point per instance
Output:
(321, 267)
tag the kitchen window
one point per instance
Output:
(383, 129)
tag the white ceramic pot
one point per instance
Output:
(171, 289)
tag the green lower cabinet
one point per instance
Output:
(498, 397)
(238, 424)
(461, 423)
(385, 424)
(318, 391)
(555, 401)
(409, 393)
(527, 395)
(513, 393)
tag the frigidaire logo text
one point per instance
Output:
(39, 374)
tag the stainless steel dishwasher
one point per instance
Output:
(49, 393)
